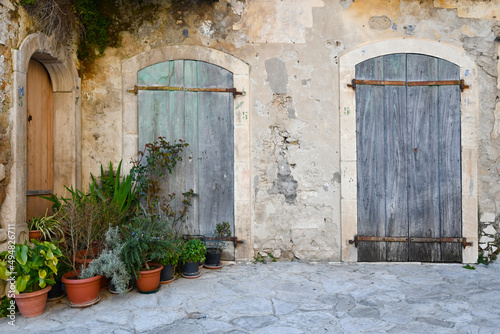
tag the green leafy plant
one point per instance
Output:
(172, 252)
(159, 159)
(83, 219)
(32, 267)
(49, 226)
(6, 306)
(482, 260)
(194, 251)
(223, 229)
(109, 187)
(468, 266)
(110, 262)
(144, 240)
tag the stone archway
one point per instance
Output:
(241, 72)
(469, 141)
(67, 139)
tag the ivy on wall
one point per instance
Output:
(63, 18)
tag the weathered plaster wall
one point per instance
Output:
(292, 48)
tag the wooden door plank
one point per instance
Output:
(396, 149)
(216, 145)
(423, 173)
(40, 129)
(190, 162)
(370, 160)
(450, 161)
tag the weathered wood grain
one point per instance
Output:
(423, 172)
(415, 152)
(450, 182)
(205, 121)
(40, 143)
(371, 161)
(396, 157)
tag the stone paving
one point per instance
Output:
(293, 297)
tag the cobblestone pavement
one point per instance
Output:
(293, 297)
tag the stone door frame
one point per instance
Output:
(469, 137)
(242, 169)
(67, 125)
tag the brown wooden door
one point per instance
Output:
(408, 159)
(40, 139)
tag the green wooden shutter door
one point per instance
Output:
(205, 121)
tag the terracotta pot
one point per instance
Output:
(35, 234)
(150, 279)
(32, 304)
(82, 292)
(104, 282)
(92, 254)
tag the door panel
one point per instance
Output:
(423, 172)
(396, 157)
(371, 165)
(39, 138)
(205, 121)
(408, 144)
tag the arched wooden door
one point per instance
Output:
(185, 99)
(40, 139)
(408, 159)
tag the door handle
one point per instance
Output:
(415, 150)
(30, 118)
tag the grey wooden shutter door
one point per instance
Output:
(408, 153)
(205, 121)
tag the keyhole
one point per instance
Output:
(415, 150)
(29, 118)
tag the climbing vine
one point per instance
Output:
(64, 19)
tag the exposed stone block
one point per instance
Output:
(489, 230)
(487, 217)
(486, 239)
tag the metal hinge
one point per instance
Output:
(460, 83)
(169, 88)
(358, 238)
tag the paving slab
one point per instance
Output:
(293, 297)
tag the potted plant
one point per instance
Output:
(215, 245)
(81, 218)
(34, 269)
(169, 260)
(110, 263)
(144, 240)
(193, 252)
(45, 227)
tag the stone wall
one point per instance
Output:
(293, 49)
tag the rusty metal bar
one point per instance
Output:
(460, 83)
(233, 239)
(356, 82)
(170, 88)
(217, 90)
(38, 192)
(358, 238)
(462, 241)
(434, 83)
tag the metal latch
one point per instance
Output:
(460, 83)
(358, 238)
(170, 88)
